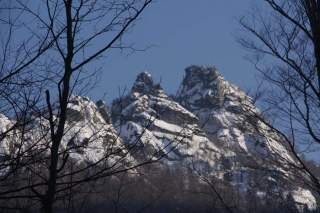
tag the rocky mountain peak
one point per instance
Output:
(205, 74)
(151, 119)
(144, 84)
(145, 78)
(202, 87)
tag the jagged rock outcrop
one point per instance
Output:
(93, 135)
(150, 118)
(204, 86)
(144, 84)
(103, 110)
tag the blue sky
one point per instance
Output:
(185, 32)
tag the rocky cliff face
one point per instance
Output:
(208, 127)
(202, 88)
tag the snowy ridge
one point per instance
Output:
(207, 127)
(244, 141)
(88, 138)
(167, 127)
(223, 110)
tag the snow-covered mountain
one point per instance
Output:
(257, 160)
(207, 127)
(151, 119)
(210, 126)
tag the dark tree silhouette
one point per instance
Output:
(284, 39)
(46, 47)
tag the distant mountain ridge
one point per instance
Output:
(207, 126)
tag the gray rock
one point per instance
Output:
(202, 88)
(143, 82)
(103, 110)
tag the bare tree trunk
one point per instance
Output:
(55, 27)
(312, 8)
